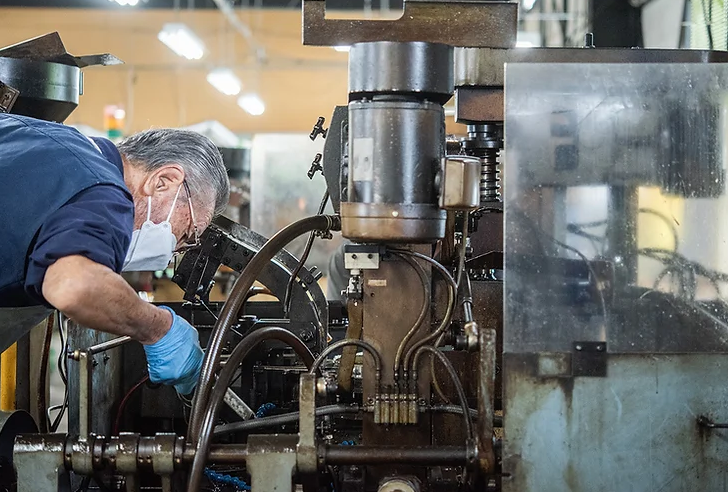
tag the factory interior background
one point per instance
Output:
(241, 76)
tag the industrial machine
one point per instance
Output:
(568, 335)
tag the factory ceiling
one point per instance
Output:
(200, 4)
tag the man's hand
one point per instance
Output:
(95, 296)
(176, 358)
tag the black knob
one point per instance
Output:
(318, 129)
(315, 166)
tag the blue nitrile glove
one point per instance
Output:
(177, 357)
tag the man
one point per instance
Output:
(77, 211)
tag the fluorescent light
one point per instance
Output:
(524, 44)
(528, 4)
(131, 3)
(224, 80)
(180, 39)
(342, 49)
(252, 104)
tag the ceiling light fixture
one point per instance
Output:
(252, 104)
(528, 4)
(180, 39)
(224, 80)
(130, 3)
(342, 49)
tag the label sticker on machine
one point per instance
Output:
(363, 157)
(377, 282)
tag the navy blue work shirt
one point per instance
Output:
(96, 222)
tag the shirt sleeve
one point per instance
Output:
(96, 223)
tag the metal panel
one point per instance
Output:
(450, 22)
(635, 431)
(484, 67)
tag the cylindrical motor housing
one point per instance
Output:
(396, 141)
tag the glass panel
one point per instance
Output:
(281, 193)
(616, 212)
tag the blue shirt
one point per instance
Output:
(96, 223)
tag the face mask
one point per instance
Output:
(152, 246)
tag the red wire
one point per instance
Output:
(125, 400)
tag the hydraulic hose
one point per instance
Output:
(241, 351)
(451, 296)
(229, 314)
(423, 312)
(338, 409)
(286, 418)
(455, 381)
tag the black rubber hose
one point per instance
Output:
(302, 261)
(241, 351)
(455, 381)
(229, 314)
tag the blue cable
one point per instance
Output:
(264, 410)
(224, 479)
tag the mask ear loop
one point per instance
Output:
(174, 202)
(149, 208)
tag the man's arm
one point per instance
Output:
(94, 295)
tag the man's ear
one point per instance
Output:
(169, 176)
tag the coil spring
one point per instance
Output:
(489, 177)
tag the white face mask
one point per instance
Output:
(152, 246)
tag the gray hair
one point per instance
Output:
(201, 160)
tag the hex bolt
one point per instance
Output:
(578, 347)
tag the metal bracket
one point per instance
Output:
(362, 256)
(271, 462)
(589, 359)
(443, 21)
(40, 463)
(8, 96)
(307, 459)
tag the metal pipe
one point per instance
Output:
(107, 345)
(220, 454)
(343, 343)
(288, 418)
(425, 309)
(451, 296)
(41, 400)
(229, 314)
(486, 390)
(395, 455)
(240, 352)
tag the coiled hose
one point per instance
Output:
(229, 313)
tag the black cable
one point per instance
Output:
(455, 381)
(304, 257)
(670, 224)
(62, 354)
(565, 246)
